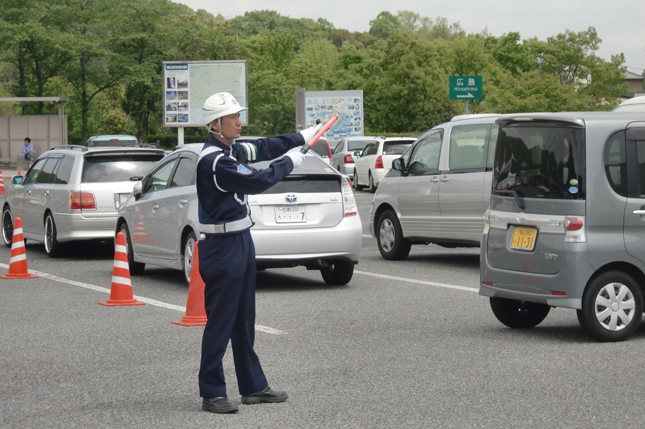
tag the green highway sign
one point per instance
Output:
(465, 87)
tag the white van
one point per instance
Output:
(636, 104)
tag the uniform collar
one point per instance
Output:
(214, 142)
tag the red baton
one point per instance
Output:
(322, 131)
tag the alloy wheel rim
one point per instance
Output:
(7, 228)
(188, 258)
(615, 307)
(48, 234)
(386, 234)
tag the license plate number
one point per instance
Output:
(523, 238)
(290, 214)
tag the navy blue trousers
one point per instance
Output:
(227, 266)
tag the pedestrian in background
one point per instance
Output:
(226, 250)
(28, 151)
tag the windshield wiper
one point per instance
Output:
(518, 198)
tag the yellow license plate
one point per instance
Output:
(523, 238)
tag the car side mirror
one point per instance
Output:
(137, 190)
(357, 153)
(398, 164)
(17, 180)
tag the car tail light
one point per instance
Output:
(82, 201)
(379, 162)
(329, 151)
(349, 203)
(486, 222)
(575, 231)
(348, 159)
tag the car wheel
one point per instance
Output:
(7, 227)
(357, 187)
(187, 255)
(136, 268)
(518, 314)
(339, 273)
(52, 246)
(389, 237)
(612, 307)
(371, 184)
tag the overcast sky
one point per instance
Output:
(619, 23)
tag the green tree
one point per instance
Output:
(509, 52)
(384, 25)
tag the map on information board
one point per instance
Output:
(348, 105)
(187, 84)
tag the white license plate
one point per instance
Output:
(290, 214)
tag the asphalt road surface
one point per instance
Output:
(406, 344)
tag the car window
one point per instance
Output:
(396, 147)
(640, 153)
(616, 164)
(467, 146)
(321, 148)
(47, 173)
(64, 172)
(158, 179)
(117, 168)
(492, 143)
(185, 173)
(32, 174)
(370, 149)
(339, 146)
(354, 145)
(425, 156)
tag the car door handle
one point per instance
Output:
(639, 212)
(155, 207)
(444, 179)
(182, 202)
(29, 192)
(435, 179)
(46, 192)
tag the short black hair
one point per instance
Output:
(28, 139)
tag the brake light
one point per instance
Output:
(379, 162)
(329, 151)
(82, 201)
(349, 203)
(348, 159)
(575, 231)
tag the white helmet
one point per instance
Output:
(218, 105)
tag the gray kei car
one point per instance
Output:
(566, 224)
(310, 219)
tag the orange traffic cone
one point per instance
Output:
(121, 291)
(195, 310)
(2, 192)
(18, 261)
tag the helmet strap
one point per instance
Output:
(212, 131)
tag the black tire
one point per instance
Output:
(136, 268)
(7, 226)
(389, 237)
(612, 307)
(339, 273)
(519, 314)
(357, 187)
(52, 246)
(371, 183)
(188, 250)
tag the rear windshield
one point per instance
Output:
(540, 161)
(321, 148)
(117, 168)
(357, 144)
(113, 142)
(396, 148)
(309, 184)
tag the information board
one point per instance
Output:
(348, 105)
(187, 84)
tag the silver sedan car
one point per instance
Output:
(309, 219)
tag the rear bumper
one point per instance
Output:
(539, 288)
(70, 227)
(343, 241)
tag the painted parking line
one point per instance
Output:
(149, 301)
(420, 282)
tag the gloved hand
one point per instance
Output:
(309, 133)
(296, 157)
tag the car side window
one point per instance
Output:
(33, 172)
(339, 146)
(185, 173)
(468, 147)
(616, 164)
(371, 148)
(425, 156)
(492, 144)
(158, 179)
(640, 151)
(47, 173)
(64, 173)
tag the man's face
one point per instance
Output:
(231, 126)
(26, 143)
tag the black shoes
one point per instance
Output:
(265, 395)
(219, 405)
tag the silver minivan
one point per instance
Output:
(566, 224)
(438, 191)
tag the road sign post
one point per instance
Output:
(466, 88)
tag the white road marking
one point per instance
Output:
(421, 282)
(149, 301)
(367, 235)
